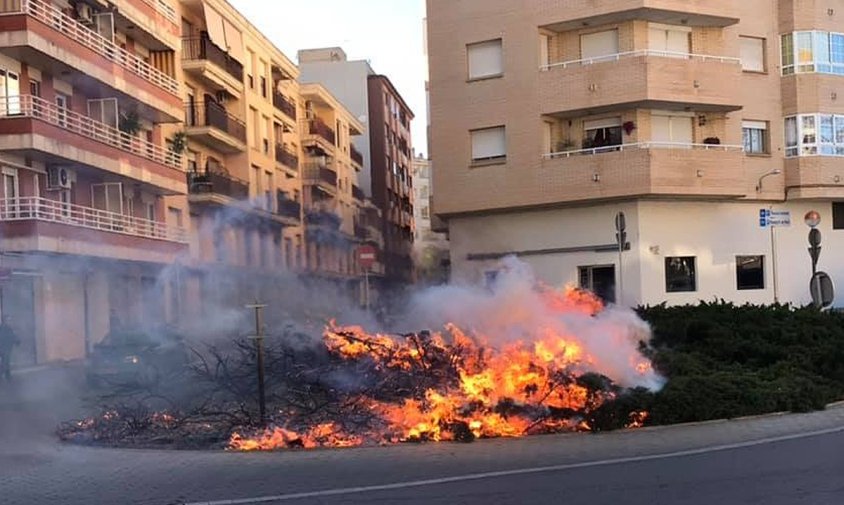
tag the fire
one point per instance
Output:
(459, 386)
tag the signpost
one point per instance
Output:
(769, 218)
(367, 255)
(621, 239)
(820, 286)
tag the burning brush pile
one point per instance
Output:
(548, 362)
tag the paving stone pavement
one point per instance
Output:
(36, 468)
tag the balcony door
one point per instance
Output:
(10, 91)
(669, 40)
(105, 111)
(599, 45)
(11, 190)
(105, 25)
(108, 197)
(674, 129)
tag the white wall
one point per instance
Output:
(715, 233)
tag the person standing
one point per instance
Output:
(8, 339)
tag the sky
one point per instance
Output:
(388, 33)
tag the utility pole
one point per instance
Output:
(621, 238)
(259, 349)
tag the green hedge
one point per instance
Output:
(725, 361)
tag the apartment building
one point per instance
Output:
(332, 197)
(692, 118)
(430, 248)
(384, 152)
(240, 137)
(84, 231)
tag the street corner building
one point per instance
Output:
(713, 126)
(159, 161)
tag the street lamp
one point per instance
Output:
(775, 171)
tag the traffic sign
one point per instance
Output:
(367, 255)
(777, 218)
(822, 289)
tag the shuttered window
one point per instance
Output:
(596, 45)
(489, 144)
(672, 40)
(673, 129)
(485, 59)
(752, 54)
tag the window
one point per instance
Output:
(489, 144)
(755, 137)
(262, 78)
(34, 88)
(672, 128)
(175, 216)
(426, 213)
(247, 67)
(752, 54)
(838, 215)
(600, 133)
(813, 51)
(599, 280)
(595, 45)
(669, 40)
(256, 128)
(814, 134)
(485, 59)
(750, 272)
(680, 274)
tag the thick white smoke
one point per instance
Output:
(513, 309)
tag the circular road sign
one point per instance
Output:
(366, 256)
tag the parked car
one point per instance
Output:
(136, 357)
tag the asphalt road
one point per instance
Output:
(795, 459)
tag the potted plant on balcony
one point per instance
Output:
(628, 127)
(130, 125)
(712, 141)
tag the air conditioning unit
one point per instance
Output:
(84, 13)
(58, 178)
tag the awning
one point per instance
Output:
(234, 41)
(214, 24)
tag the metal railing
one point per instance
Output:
(31, 208)
(316, 172)
(286, 157)
(317, 127)
(641, 52)
(34, 107)
(644, 145)
(201, 48)
(54, 18)
(288, 208)
(215, 182)
(356, 155)
(165, 9)
(214, 115)
(284, 104)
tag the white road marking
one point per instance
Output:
(518, 471)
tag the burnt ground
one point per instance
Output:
(35, 468)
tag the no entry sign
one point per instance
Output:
(366, 256)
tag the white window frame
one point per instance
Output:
(757, 125)
(811, 143)
(822, 50)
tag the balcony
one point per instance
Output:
(285, 105)
(319, 136)
(202, 58)
(642, 169)
(209, 123)
(210, 183)
(156, 19)
(356, 156)
(32, 224)
(288, 209)
(286, 157)
(30, 123)
(358, 193)
(641, 79)
(321, 177)
(565, 15)
(43, 35)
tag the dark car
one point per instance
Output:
(136, 357)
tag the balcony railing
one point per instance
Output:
(641, 52)
(42, 209)
(201, 48)
(289, 208)
(284, 104)
(315, 172)
(286, 157)
(317, 127)
(215, 182)
(165, 9)
(28, 106)
(358, 193)
(214, 115)
(643, 145)
(54, 18)
(356, 155)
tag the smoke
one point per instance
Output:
(513, 309)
